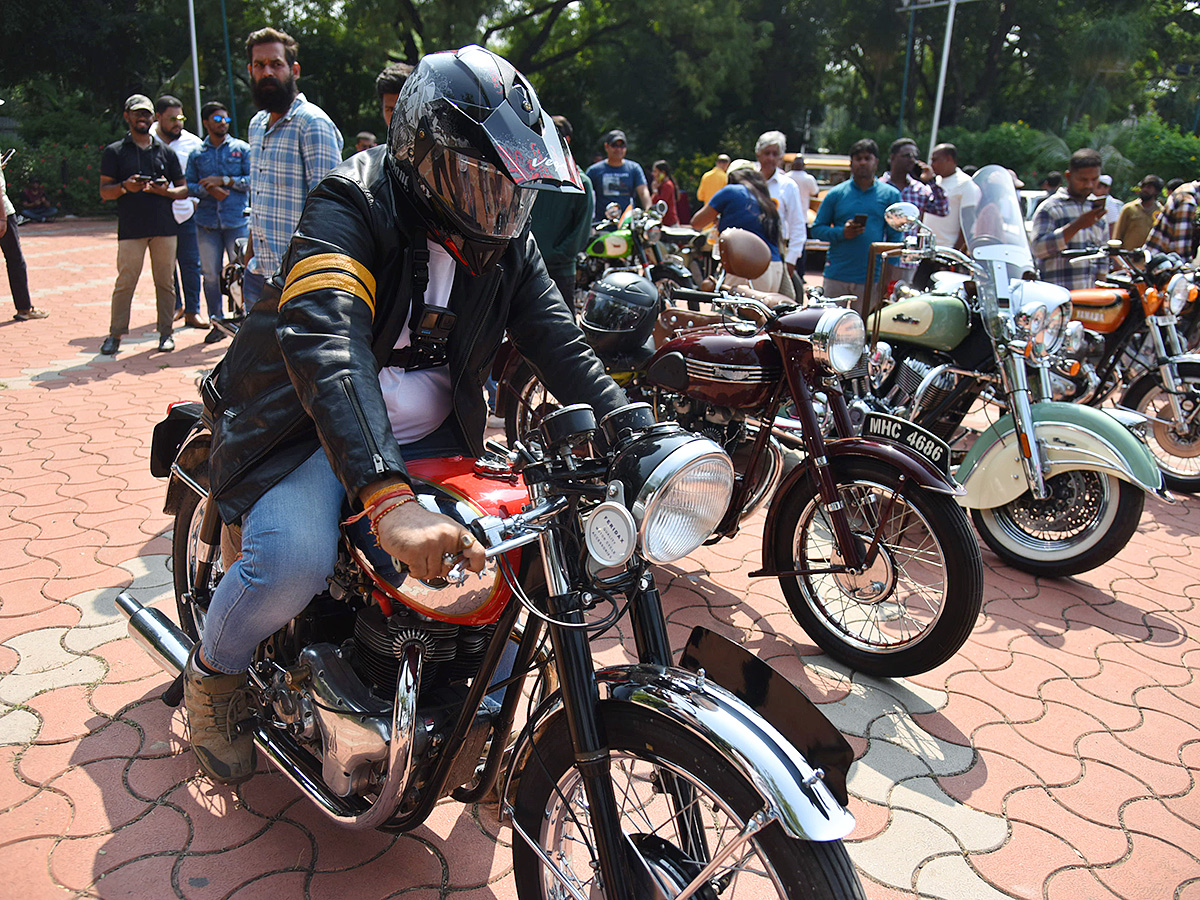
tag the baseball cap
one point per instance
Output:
(139, 101)
(615, 135)
(1106, 179)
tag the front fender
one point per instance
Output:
(792, 791)
(897, 457)
(674, 272)
(1072, 438)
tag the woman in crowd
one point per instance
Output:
(664, 190)
(746, 203)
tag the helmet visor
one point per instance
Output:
(533, 160)
(478, 197)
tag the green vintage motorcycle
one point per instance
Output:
(1053, 488)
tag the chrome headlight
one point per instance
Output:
(1179, 292)
(1029, 321)
(652, 234)
(1055, 328)
(839, 339)
(677, 486)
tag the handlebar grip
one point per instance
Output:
(682, 293)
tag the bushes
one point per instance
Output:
(70, 174)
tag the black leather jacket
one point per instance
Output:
(303, 370)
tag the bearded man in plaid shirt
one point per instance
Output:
(293, 145)
(1175, 230)
(1068, 219)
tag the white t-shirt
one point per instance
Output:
(183, 146)
(947, 228)
(1112, 209)
(418, 402)
(793, 222)
(807, 185)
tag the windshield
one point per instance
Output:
(996, 239)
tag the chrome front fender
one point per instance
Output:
(791, 789)
(1071, 437)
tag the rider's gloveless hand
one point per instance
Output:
(427, 542)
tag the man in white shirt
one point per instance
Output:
(808, 191)
(1112, 206)
(769, 150)
(168, 129)
(957, 184)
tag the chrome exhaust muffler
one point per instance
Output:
(161, 638)
(167, 645)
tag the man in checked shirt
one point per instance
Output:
(1175, 231)
(922, 190)
(293, 145)
(1069, 219)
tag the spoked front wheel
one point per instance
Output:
(914, 604)
(648, 753)
(1175, 444)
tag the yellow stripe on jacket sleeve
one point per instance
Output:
(330, 271)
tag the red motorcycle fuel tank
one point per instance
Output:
(456, 487)
(728, 365)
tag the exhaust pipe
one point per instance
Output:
(161, 638)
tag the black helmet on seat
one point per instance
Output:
(469, 136)
(619, 315)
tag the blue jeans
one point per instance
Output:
(187, 254)
(213, 242)
(252, 288)
(289, 546)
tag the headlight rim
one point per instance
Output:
(825, 332)
(657, 483)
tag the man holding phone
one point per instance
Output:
(850, 218)
(1073, 217)
(145, 178)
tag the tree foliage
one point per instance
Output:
(684, 81)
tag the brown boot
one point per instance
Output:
(215, 705)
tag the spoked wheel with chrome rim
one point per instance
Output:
(1175, 445)
(1088, 519)
(184, 545)
(654, 763)
(914, 604)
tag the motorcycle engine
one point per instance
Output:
(911, 373)
(453, 653)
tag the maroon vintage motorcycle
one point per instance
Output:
(875, 558)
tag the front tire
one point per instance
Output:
(1176, 451)
(527, 402)
(915, 606)
(551, 807)
(1087, 520)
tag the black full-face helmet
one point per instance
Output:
(470, 138)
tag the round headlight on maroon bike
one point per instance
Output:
(677, 486)
(839, 339)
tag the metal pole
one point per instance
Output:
(912, 19)
(195, 61)
(229, 70)
(941, 88)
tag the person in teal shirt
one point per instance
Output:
(836, 222)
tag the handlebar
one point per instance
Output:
(725, 299)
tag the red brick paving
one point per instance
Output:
(1067, 725)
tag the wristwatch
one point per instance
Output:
(227, 181)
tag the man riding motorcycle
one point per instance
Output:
(369, 347)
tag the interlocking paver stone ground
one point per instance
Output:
(1055, 757)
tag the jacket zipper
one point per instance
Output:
(491, 297)
(352, 396)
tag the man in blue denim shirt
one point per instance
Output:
(219, 174)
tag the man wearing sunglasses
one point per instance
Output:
(218, 174)
(168, 128)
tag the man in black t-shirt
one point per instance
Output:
(144, 177)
